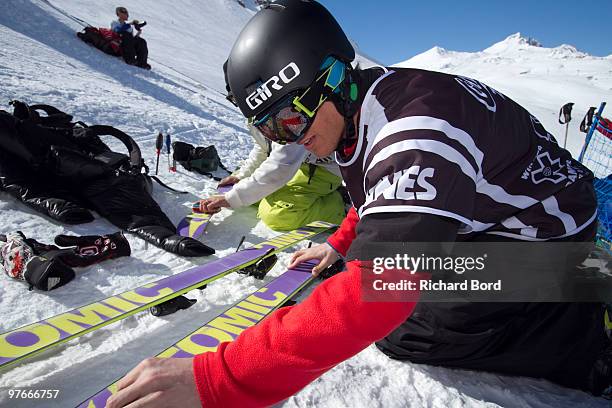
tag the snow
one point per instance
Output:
(42, 61)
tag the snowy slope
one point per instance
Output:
(541, 79)
(41, 60)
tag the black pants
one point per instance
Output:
(134, 50)
(555, 341)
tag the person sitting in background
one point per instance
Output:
(292, 186)
(134, 48)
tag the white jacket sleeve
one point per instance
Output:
(273, 173)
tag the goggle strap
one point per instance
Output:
(301, 108)
(324, 88)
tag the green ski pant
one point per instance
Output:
(300, 202)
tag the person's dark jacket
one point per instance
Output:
(64, 171)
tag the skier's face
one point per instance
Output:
(325, 132)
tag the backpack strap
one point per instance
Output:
(161, 183)
(136, 161)
(54, 117)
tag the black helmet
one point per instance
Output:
(280, 51)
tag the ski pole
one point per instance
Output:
(168, 143)
(159, 144)
(565, 116)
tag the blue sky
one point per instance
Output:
(393, 30)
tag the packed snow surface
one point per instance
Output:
(42, 61)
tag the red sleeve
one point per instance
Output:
(293, 346)
(342, 238)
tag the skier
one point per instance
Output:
(133, 47)
(291, 186)
(426, 157)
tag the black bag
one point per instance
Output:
(203, 160)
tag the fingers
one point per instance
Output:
(321, 252)
(330, 257)
(152, 400)
(325, 262)
(228, 181)
(297, 258)
(200, 206)
(225, 181)
(129, 378)
(131, 387)
(123, 397)
(209, 205)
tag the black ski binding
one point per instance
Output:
(260, 269)
(172, 306)
(332, 269)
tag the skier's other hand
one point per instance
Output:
(228, 181)
(158, 382)
(323, 252)
(212, 204)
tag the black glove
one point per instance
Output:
(36, 264)
(186, 246)
(47, 273)
(90, 249)
(138, 25)
(168, 240)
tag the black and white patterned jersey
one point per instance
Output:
(451, 146)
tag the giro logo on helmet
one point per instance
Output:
(263, 92)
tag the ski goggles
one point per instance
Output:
(288, 120)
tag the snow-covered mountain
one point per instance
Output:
(539, 78)
(42, 61)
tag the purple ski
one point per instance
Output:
(228, 325)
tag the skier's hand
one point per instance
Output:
(323, 252)
(212, 204)
(228, 181)
(158, 382)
